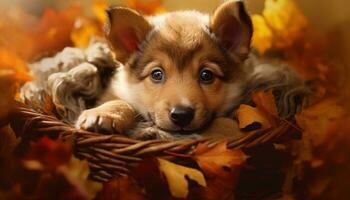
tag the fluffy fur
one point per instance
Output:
(181, 45)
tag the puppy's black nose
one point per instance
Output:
(181, 116)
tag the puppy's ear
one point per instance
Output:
(125, 30)
(233, 27)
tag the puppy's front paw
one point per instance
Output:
(111, 117)
(95, 121)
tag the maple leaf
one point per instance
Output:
(221, 167)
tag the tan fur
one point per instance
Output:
(181, 44)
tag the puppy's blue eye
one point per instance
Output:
(157, 75)
(206, 76)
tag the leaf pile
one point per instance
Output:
(47, 171)
(319, 168)
(210, 173)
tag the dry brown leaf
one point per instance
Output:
(251, 118)
(176, 177)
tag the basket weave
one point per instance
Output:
(114, 155)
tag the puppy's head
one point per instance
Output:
(182, 68)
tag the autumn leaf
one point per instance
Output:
(49, 153)
(281, 24)
(77, 172)
(221, 167)
(262, 37)
(8, 91)
(251, 118)
(84, 30)
(176, 176)
(263, 116)
(265, 101)
(28, 37)
(121, 188)
(99, 9)
(286, 20)
(315, 120)
(12, 66)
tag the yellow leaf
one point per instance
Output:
(262, 37)
(248, 115)
(286, 20)
(281, 24)
(98, 8)
(84, 30)
(176, 177)
(77, 171)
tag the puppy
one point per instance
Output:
(178, 70)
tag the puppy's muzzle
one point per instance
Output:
(181, 116)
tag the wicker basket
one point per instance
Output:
(115, 155)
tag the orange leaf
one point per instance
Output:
(84, 30)
(51, 154)
(265, 101)
(99, 9)
(122, 188)
(221, 167)
(262, 37)
(316, 119)
(251, 118)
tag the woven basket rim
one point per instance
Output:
(114, 155)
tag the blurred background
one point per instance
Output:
(329, 17)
